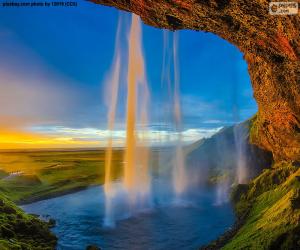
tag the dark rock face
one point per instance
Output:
(271, 47)
(92, 247)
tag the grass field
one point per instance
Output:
(32, 175)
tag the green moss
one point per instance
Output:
(271, 206)
(254, 132)
(19, 230)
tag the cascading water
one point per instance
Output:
(136, 173)
(240, 144)
(179, 173)
(113, 89)
(222, 192)
(134, 192)
(136, 182)
(171, 58)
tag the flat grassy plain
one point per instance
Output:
(33, 175)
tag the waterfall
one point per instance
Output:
(136, 182)
(170, 59)
(113, 90)
(240, 138)
(134, 193)
(136, 173)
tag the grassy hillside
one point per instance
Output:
(268, 208)
(218, 156)
(22, 231)
(271, 206)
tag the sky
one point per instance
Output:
(55, 61)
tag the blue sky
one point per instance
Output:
(54, 62)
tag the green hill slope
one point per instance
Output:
(271, 206)
(220, 154)
(19, 230)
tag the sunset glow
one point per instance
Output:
(61, 137)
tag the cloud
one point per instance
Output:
(213, 121)
(94, 136)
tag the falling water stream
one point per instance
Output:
(136, 181)
(113, 83)
(242, 176)
(179, 174)
(170, 61)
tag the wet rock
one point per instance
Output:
(92, 247)
(51, 223)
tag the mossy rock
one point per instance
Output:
(270, 206)
(19, 230)
(92, 247)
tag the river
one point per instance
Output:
(186, 225)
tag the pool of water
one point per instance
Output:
(167, 225)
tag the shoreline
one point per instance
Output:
(224, 238)
(26, 201)
(30, 200)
